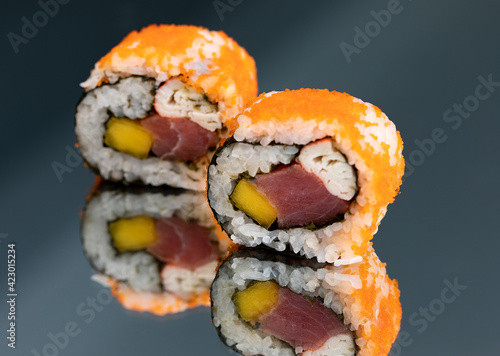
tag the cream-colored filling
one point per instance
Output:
(328, 164)
(175, 99)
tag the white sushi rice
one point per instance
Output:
(340, 345)
(188, 283)
(238, 273)
(139, 269)
(133, 98)
(326, 244)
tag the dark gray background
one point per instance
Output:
(442, 227)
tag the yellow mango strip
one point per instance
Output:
(256, 300)
(128, 136)
(131, 234)
(250, 201)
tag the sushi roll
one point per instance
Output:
(157, 104)
(157, 250)
(268, 304)
(309, 171)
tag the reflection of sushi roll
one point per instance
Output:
(157, 104)
(153, 248)
(308, 170)
(155, 303)
(266, 304)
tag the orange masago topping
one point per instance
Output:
(378, 304)
(156, 303)
(209, 61)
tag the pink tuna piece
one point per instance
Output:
(300, 321)
(299, 197)
(183, 244)
(178, 139)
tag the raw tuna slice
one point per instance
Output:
(178, 138)
(300, 197)
(183, 244)
(300, 321)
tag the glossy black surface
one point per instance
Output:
(442, 229)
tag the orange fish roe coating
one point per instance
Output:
(208, 61)
(378, 309)
(310, 104)
(155, 303)
(361, 131)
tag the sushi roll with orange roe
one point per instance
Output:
(268, 304)
(157, 104)
(157, 250)
(308, 171)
